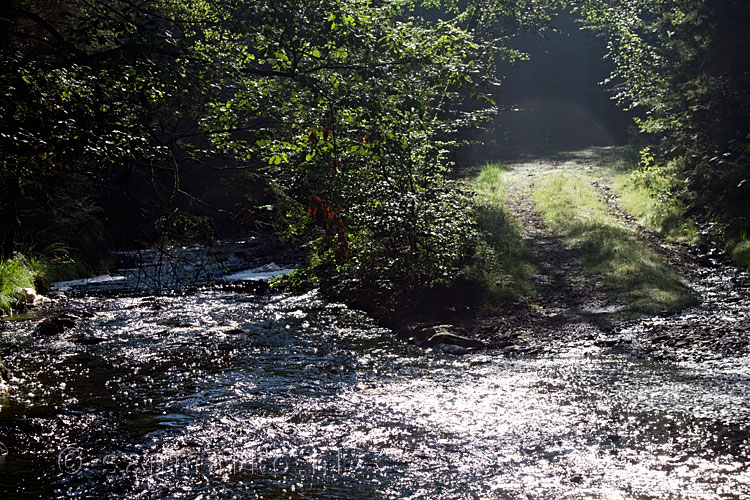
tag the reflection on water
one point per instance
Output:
(225, 395)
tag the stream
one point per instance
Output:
(222, 392)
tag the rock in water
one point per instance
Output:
(29, 295)
(451, 349)
(447, 338)
(33, 299)
(437, 334)
(4, 373)
(54, 326)
(419, 332)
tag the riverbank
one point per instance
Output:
(562, 262)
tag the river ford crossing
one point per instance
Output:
(224, 393)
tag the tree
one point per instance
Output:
(353, 110)
(683, 64)
(346, 112)
(78, 80)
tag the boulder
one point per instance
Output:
(33, 299)
(4, 373)
(54, 326)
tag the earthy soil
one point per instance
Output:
(572, 307)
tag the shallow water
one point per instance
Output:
(220, 394)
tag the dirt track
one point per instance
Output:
(571, 306)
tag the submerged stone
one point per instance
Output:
(451, 349)
(54, 326)
(447, 338)
(82, 338)
(440, 334)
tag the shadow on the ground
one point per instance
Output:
(560, 298)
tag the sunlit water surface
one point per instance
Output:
(221, 394)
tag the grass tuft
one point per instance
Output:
(15, 273)
(633, 273)
(741, 253)
(36, 273)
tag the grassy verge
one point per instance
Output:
(504, 264)
(36, 273)
(741, 253)
(633, 273)
(15, 274)
(660, 216)
(644, 189)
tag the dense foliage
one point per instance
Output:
(683, 65)
(92, 92)
(354, 110)
(344, 113)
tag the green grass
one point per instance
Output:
(633, 273)
(490, 183)
(503, 264)
(645, 190)
(36, 273)
(741, 253)
(15, 273)
(660, 216)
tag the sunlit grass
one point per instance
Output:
(504, 264)
(741, 253)
(15, 274)
(490, 183)
(658, 212)
(633, 273)
(661, 216)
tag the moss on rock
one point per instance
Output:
(741, 254)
